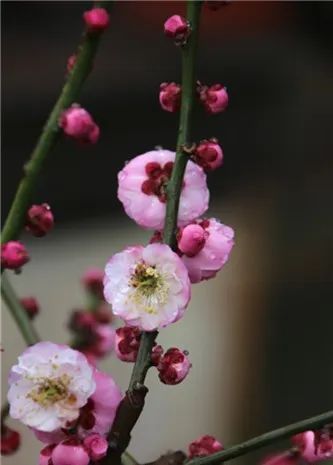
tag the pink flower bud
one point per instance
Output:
(177, 28)
(203, 446)
(96, 19)
(127, 341)
(174, 366)
(93, 281)
(45, 455)
(13, 255)
(39, 220)
(96, 446)
(170, 96)
(283, 458)
(31, 306)
(10, 440)
(208, 154)
(214, 98)
(71, 62)
(77, 123)
(70, 452)
(192, 239)
(315, 446)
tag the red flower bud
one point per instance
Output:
(13, 255)
(208, 154)
(31, 306)
(174, 366)
(39, 220)
(214, 98)
(10, 440)
(203, 446)
(170, 96)
(177, 28)
(77, 123)
(96, 19)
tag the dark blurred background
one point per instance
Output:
(276, 60)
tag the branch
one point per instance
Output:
(185, 122)
(69, 94)
(128, 412)
(18, 313)
(265, 439)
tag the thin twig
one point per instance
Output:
(69, 94)
(20, 316)
(265, 439)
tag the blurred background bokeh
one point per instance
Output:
(261, 334)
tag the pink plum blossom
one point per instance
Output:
(314, 446)
(49, 385)
(103, 403)
(96, 416)
(203, 446)
(96, 446)
(148, 286)
(214, 254)
(142, 189)
(173, 366)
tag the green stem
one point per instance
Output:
(131, 406)
(189, 53)
(69, 94)
(265, 439)
(184, 132)
(18, 313)
(143, 361)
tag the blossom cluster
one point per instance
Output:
(93, 333)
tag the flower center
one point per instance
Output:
(50, 391)
(158, 178)
(150, 289)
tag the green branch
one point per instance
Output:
(265, 439)
(185, 123)
(69, 94)
(18, 313)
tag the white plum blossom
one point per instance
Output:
(49, 385)
(148, 286)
